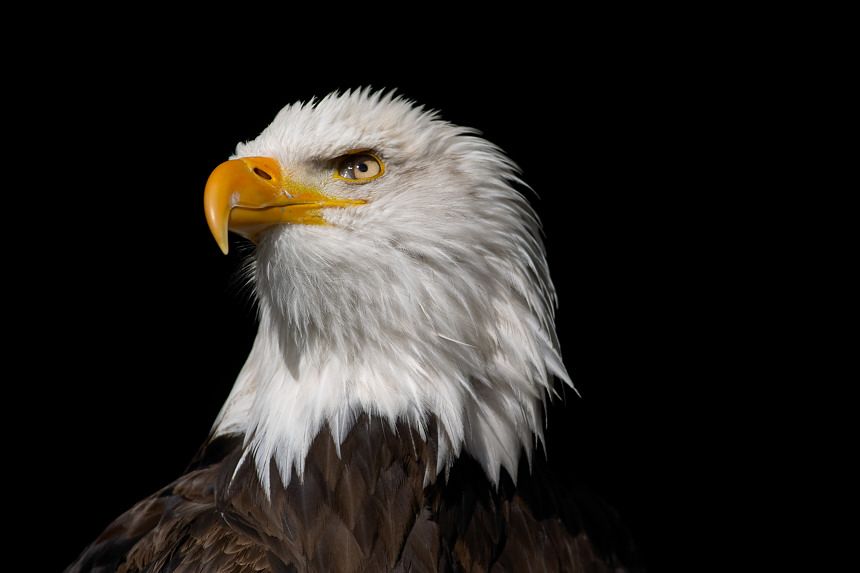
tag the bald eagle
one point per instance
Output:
(390, 414)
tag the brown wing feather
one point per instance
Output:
(365, 511)
(178, 525)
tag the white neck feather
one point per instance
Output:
(481, 364)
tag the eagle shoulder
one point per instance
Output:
(176, 526)
(375, 503)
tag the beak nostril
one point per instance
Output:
(262, 174)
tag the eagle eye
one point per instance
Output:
(360, 166)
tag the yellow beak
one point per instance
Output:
(250, 194)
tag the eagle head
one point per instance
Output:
(398, 272)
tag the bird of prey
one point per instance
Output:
(390, 414)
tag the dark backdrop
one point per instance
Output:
(135, 331)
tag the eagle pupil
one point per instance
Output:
(362, 167)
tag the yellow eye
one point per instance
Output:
(359, 167)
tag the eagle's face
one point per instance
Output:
(393, 244)
(361, 202)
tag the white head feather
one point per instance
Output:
(432, 299)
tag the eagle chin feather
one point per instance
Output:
(433, 299)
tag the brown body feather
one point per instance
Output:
(367, 510)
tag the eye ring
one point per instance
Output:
(359, 167)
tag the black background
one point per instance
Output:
(135, 330)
